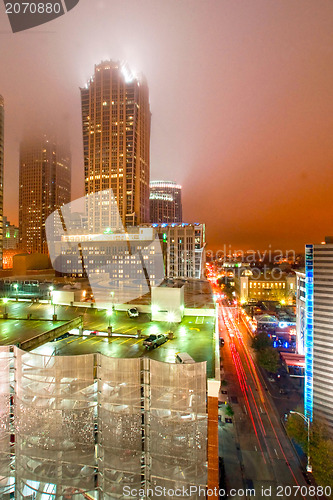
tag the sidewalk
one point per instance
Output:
(229, 450)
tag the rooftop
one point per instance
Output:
(195, 334)
(197, 293)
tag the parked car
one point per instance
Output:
(133, 312)
(154, 341)
(184, 358)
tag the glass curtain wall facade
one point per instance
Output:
(116, 143)
(88, 426)
(165, 202)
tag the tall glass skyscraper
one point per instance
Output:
(116, 141)
(165, 202)
(1, 173)
(45, 185)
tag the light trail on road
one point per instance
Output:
(243, 359)
(244, 387)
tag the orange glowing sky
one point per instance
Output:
(241, 97)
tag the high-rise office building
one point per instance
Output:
(165, 202)
(45, 185)
(183, 247)
(318, 397)
(1, 172)
(116, 142)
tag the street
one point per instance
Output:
(254, 442)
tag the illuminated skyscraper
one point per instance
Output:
(318, 397)
(116, 142)
(45, 185)
(1, 173)
(165, 202)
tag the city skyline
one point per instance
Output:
(261, 148)
(172, 334)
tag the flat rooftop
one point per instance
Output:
(16, 331)
(194, 335)
(198, 294)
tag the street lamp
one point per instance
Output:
(112, 295)
(51, 288)
(109, 313)
(5, 301)
(308, 422)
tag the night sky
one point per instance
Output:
(241, 96)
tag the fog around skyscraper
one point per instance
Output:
(233, 106)
(116, 142)
(45, 185)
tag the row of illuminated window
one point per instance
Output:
(254, 284)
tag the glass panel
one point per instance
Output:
(54, 421)
(177, 425)
(119, 425)
(5, 424)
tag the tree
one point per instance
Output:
(321, 453)
(321, 447)
(268, 359)
(297, 429)
(261, 341)
(229, 411)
